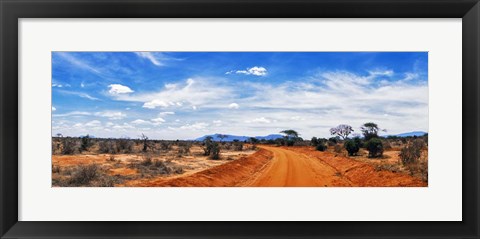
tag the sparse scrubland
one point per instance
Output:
(99, 162)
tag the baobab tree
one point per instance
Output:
(342, 131)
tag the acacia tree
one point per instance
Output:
(342, 131)
(144, 138)
(222, 136)
(290, 133)
(370, 130)
(290, 136)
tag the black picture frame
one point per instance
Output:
(12, 10)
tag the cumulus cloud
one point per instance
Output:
(256, 70)
(115, 89)
(233, 106)
(53, 108)
(158, 120)
(191, 93)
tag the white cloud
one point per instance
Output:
(154, 104)
(54, 109)
(256, 70)
(73, 113)
(156, 58)
(77, 62)
(113, 115)
(166, 113)
(93, 123)
(158, 120)
(190, 94)
(140, 121)
(261, 120)
(196, 126)
(233, 106)
(115, 89)
(376, 73)
(151, 57)
(80, 94)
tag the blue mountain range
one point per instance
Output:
(408, 134)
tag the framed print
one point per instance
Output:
(239, 119)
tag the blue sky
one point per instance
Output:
(185, 95)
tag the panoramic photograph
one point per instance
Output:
(239, 119)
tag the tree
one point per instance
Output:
(211, 148)
(353, 146)
(370, 130)
(145, 142)
(290, 133)
(222, 136)
(314, 141)
(374, 147)
(291, 136)
(342, 131)
(86, 143)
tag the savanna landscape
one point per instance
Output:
(166, 119)
(286, 161)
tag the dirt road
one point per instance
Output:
(293, 169)
(289, 167)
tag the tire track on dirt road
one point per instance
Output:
(292, 169)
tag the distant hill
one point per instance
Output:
(230, 138)
(408, 134)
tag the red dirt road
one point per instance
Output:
(289, 167)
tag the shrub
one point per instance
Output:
(332, 141)
(374, 147)
(69, 146)
(238, 146)
(107, 147)
(147, 160)
(412, 152)
(321, 147)
(215, 151)
(184, 149)
(86, 143)
(124, 145)
(314, 141)
(84, 175)
(352, 146)
(337, 148)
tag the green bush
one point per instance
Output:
(215, 151)
(374, 147)
(86, 143)
(352, 146)
(321, 147)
